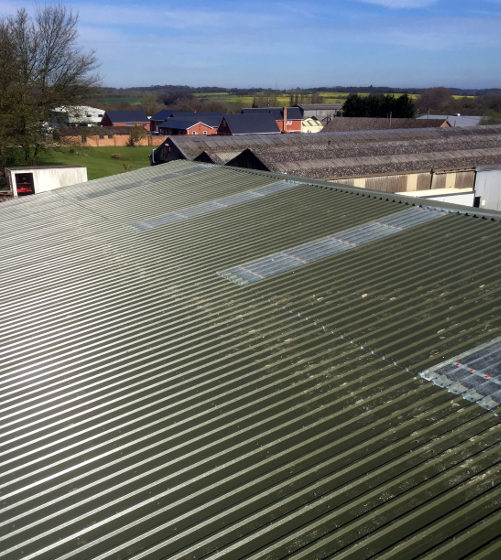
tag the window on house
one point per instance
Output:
(101, 136)
(84, 139)
(205, 132)
(193, 131)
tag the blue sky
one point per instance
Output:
(279, 44)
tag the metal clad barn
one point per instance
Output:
(152, 408)
(403, 159)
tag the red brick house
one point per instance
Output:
(194, 126)
(211, 118)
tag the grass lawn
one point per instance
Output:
(98, 161)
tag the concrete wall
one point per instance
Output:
(412, 181)
(48, 178)
(452, 196)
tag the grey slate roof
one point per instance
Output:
(164, 114)
(246, 123)
(127, 116)
(293, 113)
(184, 123)
(152, 409)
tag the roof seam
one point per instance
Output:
(367, 349)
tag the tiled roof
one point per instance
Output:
(150, 408)
(184, 123)
(164, 114)
(293, 113)
(246, 123)
(127, 116)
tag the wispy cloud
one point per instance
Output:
(401, 4)
(289, 43)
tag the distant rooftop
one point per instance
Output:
(127, 116)
(350, 154)
(246, 123)
(456, 120)
(340, 124)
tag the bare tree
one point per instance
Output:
(436, 99)
(42, 69)
(151, 103)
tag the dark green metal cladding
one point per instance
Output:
(150, 409)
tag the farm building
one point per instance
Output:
(207, 362)
(191, 125)
(324, 112)
(80, 115)
(390, 161)
(29, 180)
(212, 118)
(456, 120)
(311, 125)
(126, 118)
(343, 124)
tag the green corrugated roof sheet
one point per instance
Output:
(150, 409)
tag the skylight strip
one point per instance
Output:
(134, 184)
(475, 375)
(288, 259)
(213, 205)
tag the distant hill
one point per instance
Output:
(141, 90)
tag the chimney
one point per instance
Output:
(285, 120)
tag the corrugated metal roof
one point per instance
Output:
(150, 409)
(456, 120)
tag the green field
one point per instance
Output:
(282, 98)
(99, 161)
(235, 101)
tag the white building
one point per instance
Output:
(78, 115)
(488, 188)
(33, 180)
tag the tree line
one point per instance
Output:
(41, 69)
(379, 106)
